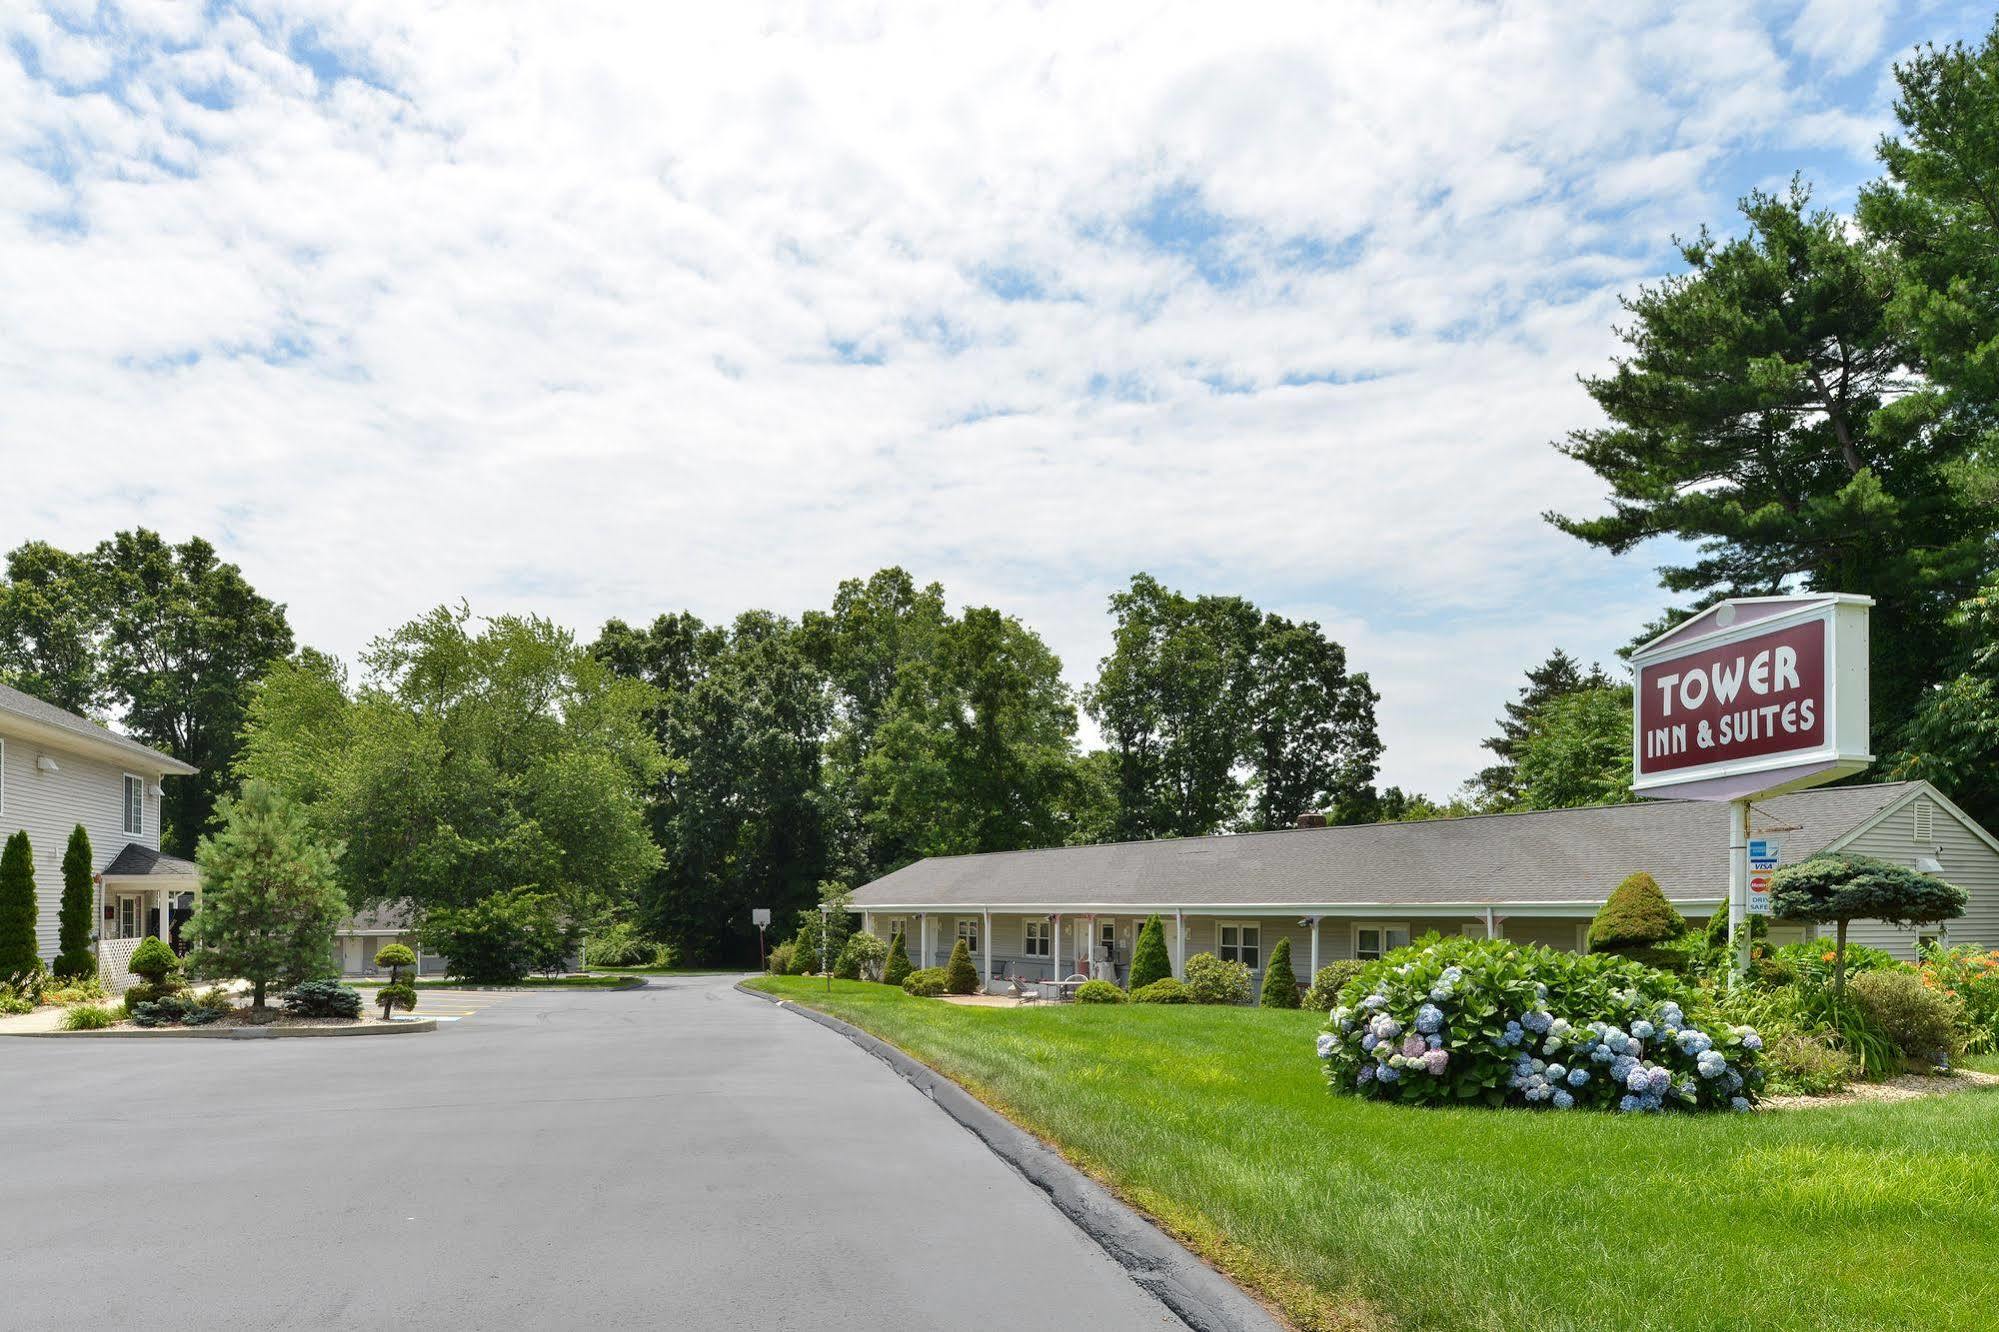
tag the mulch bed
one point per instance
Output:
(1902, 1087)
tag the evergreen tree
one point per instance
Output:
(1149, 959)
(1843, 887)
(79, 907)
(1280, 982)
(1635, 919)
(1577, 751)
(1557, 677)
(270, 901)
(897, 968)
(960, 976)
(19, 953)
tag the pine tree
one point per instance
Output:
(79, 902)
(897, 968)
(960, 976)
(269, 902)
(1557, 677)
(1149, 961)
(19, 953)
(1280, 982)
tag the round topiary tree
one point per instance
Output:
(398, 993)
(1842, 887)
(19, 955)
(1149, 961)
(896, 970)
(74, 960)
(1280, 982)
(1636, 919)
(154, 962)
(960, 976)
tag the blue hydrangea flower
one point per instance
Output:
(1661, 1080)
(1389, 1075)
(1602, 1054)
(1751, 1041)
(1627, 1104)
(1563, 1100)
(1739, 1104)
(1638, 1080)
(1513, 1034)
(1642, 1029)
(1326, 1044)
(1375, 1001)
(1537, 1022)
(1369, 1041)
(1439, 993)
(1578, 1076)
(1436, 1041)
(1710, 1064)
(1620, 1068)
(1429, 1018)
(1365, 1076)
(1556, 1072)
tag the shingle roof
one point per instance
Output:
(30, 708)
(137, 861)
(1551, 856)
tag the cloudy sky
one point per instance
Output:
(606, 309)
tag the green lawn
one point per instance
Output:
(1352, 1213)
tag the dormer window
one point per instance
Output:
(135, 805)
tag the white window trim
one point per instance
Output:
(894, 925)
(971, 938)
(138, 901)
(1028, 930)
(1383, 927)
(125, 805)
(1239, 926)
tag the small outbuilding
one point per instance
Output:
(1359, 891)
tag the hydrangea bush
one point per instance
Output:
(1497, 1023)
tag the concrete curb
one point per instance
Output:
(230, 1033)
(1200, 1296)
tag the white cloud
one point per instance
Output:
(608, 309)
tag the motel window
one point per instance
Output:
(1371, 942)
(1035, 938)
(968, 930)
(135, 805)
(1107, 939)
(897, 925)
(1241, 942)
(1925, 942)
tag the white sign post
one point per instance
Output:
(1753, 697)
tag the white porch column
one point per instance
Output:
(1315, 947)
(986, 941)
(923, 936)
(166, 916)
(1491, 925)
(1055, 946)
(1180, 945)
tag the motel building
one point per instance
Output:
(1363, 890)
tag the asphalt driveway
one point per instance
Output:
(681, 1156)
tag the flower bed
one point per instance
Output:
(1460, 1021)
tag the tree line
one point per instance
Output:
(505, 778)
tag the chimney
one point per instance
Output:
(1311, 820)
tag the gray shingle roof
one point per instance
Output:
(30, 708)
(1551, 856)
(136, 861)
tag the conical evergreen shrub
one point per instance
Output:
(960, 976)
(79, 900)
(1280, 983)
(1636, 916)
(896, 970)
(1149, 961)
(19, 954)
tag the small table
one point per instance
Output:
(1062, 988)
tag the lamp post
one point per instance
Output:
(825, 925)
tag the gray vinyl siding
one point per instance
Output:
(1967, 861)
(49, 805)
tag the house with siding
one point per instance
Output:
(58, 770)
(1360, 891)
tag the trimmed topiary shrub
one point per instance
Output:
(1926, 1025)
(75, 961)
(1489, 1021)
(1636, 918)
(1280, 983)
(140, 992)
(1843, 887)
(398, 993)
(960, 976)
(1213, 981)
(1329, 981)
(322, 999)
(157, 963)
(19, 953)
(1165, 990)
(395, 957)
(896, 969)
(90, 1017)
(928, 983)
(1099, 992)
(401, 994)
(1149, 961)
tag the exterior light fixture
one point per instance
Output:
(46, 764)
